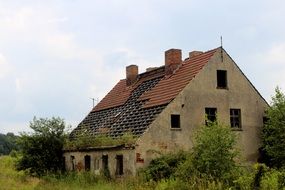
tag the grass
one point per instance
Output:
(10, 179)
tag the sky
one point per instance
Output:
(56, 55)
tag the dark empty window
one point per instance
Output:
(63, 163)
(119, 166)
(105, 163)
(265, 120)
(221, 79)
(211, 115)
(235, 117)
(87, 162)
(175, 121)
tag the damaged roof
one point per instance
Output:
(133, 107)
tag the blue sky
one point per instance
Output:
(55, 55)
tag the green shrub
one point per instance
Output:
(270, 180)
(213, 155)
(164, 166)
(273, 137)
(273, 179)
(42, 149)
(214, 151)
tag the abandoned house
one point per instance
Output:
(162, 107)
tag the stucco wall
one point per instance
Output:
(128, 160)
(200, 93)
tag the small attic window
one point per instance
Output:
(175, 121)
(222, 79)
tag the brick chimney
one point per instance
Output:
(194, 53)
(132, 72)
(173, 58)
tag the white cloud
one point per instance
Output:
(42, 26)
(5, 68)
(133, 57)
(18, 85)
(62, 19)
(276, 55)
(268, 67)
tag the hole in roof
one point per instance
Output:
(118, 114)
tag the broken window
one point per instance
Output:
(175, 121)
(221, 79)
(119, 166)
(72, 160)
(87, 162)
(235, 118)
(211, 115)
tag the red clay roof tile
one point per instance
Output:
(166, 89)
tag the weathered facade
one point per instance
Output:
(163, 106)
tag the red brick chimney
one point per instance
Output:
(132, 72)
(194, 53)
(173, 58)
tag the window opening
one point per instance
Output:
(119, 166)
(105, 163)
(87, 162)
(175, 121)
(211, 115)
(235, 118)
(63, 163)
(221, 79)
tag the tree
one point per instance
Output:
(8, 143)
(42, 149)
(213, 153)
(273, 133)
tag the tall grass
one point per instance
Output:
(10, 179)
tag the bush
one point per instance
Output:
(213, 154)
(164, 166)
(42, 150)
(273, 179)
(273, 137)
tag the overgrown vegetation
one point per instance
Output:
(214, 152)
(165, 166)
(210, 162)
(41, 150)
(10, 179)
(273, 136)
(85, 140)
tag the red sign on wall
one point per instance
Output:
(138, 158)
